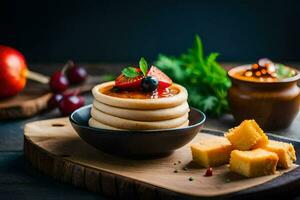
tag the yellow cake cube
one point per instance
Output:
(212, 152)
(258, 162)
(248, 135)
(285, 152)
(264, 140)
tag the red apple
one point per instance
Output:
(13, 71)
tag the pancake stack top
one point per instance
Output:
(116, 112)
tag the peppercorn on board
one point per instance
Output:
(53, 147)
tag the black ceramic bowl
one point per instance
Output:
(136, 143)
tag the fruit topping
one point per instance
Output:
(116, 89)
(133, 78)
(163, 80)
(149, 83)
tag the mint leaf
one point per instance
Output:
(143, 65)
(130, 72)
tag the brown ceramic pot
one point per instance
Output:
(274, 105)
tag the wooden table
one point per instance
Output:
(18, 180)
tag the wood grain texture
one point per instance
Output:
(33, 99)
(53, 147)
(30, 101)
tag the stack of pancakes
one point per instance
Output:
(110, 112)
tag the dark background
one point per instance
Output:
(104, 31)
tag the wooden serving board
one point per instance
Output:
(53, 147)
(33, 99)
(30, 101)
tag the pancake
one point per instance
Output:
(128, 124)
(143, 104)
(143, 115)
(96, 124)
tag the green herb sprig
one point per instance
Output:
(143, 66)
(204, 78)
(131, 72)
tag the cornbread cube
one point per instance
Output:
(212, 152)
(285, 152)
(264, 140)
(258, 162)
(248, 135)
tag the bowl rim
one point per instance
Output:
(285, 80)
(201, 122)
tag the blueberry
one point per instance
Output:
(116, 89)
(149, 83)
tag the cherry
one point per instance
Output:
(76, 74)
(58, 82)
(70, 103)
(53, 102)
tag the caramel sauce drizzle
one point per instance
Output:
(138, 94)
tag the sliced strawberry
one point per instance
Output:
(127, 83)
(163, 80)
